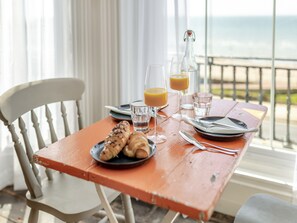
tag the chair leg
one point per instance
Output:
(129, 214)
(106, 204)
(170, 217)
(33, 216)
(104, 220)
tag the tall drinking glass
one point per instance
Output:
(155, 95)
(179, 80)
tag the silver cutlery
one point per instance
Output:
(200, 146)
(220, 122)
(126, 110)
(208, 127)
(215, 123)
(127, 106)
(219, 147)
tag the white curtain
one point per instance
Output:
(143, 41)
(58, 38)
(107, 43)
(34, 44)
(96, 59)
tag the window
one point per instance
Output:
(236, 38)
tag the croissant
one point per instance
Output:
(115, 141)
(137, 146)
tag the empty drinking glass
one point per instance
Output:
(140, 114)
(202, 104)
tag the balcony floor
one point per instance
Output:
(13, 210)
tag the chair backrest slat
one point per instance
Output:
(65, 121)
(40, 140)
(49, 118)
(27, 97)
(34, 119)
(28, 147)
(30, 179)
(79, 118)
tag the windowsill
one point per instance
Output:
(267, 164)
(262, 170)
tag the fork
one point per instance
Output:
(199, 146)
(220, 147)
(210, 149)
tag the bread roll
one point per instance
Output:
(115, 141)
(138, 146)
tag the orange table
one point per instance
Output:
(176, 177)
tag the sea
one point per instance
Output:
(242, 36)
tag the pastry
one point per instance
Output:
(115, 141)
(138, 146)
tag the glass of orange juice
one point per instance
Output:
(179, 80)
(155, 95)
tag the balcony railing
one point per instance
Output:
(249, 79)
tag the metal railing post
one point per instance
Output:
(247, 84)
(287, 138)
(234, 83)
(210, 62)
(260, 95)
(273, 102)
(222, 82)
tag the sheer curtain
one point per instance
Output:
(34, 44)
(96, 57)
(58, 38)
(150, 32)
(143, 41)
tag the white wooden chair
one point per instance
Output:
(264, 208)
(67, 198)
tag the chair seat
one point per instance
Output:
(69, 197)
(263, 208)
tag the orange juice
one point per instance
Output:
(179, 82)
(155, 97)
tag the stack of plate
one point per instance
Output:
(121, 112)
(219, 128)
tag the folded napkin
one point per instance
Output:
(220, 126)
(221, 122)
(118, 110)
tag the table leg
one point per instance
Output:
(129, 214)
(170, 217)
(201, 216)
(106, 204)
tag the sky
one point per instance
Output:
(240, 7)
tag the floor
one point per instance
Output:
(13, 210)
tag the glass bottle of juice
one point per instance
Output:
(190, 67)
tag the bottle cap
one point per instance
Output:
(189, 34)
